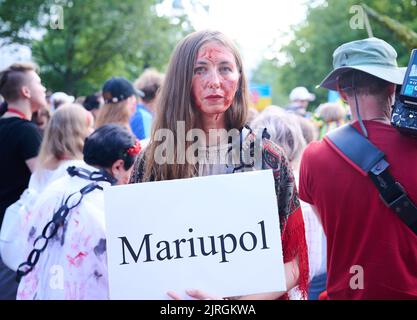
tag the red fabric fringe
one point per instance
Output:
(294, 245)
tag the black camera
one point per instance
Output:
(404, 111)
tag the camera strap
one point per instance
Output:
(366, 158)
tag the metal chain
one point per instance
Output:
(60, 215)
(243, 165)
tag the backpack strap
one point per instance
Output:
(366, 158)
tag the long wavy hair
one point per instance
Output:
(175, 103)
(64, 136)
(116, 113)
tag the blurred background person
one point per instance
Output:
(309, 129)
(332, 116)
(61, 147)
(80, 100)
(20, 140)
(148, 84)
(3, 106)
(109, 153)
(59, 98)
(285, 130)
(299, 101)
(119, 103)
(41, 118)
(63, 141)
(252, 114)
(272, 109)
(93, 103)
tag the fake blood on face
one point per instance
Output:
(215, 80)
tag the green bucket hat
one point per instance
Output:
(372, 55)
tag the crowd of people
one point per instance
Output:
(58, 152)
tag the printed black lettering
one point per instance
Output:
(264, 245)
(242, 242)
(165, 248)
(132, 252)
(177, 247)
(222, 246)
(213, 246)
(191, 241)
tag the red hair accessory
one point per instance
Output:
(135, 149)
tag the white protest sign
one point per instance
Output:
(219, 234)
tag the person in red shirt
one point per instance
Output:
(372, 254)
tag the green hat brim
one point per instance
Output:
(390, 74)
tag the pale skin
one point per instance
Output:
(132, 102)
(131, 106)
(32, 98)
(148, 105)
(119, 172)
(291, 279)
(215, 82)
(302, 103)
(370, 108)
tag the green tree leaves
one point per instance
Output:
(100, 38)
(327, 26)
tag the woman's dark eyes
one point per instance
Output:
(222, 70)
(199, 70)
(225, 69)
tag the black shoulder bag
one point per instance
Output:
(367, 158)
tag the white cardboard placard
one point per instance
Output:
(162, 225)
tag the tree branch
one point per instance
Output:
(96, 53)
(49, 61)
(408, 36)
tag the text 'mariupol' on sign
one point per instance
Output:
(219, 234)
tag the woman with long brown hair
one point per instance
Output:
(119, 103)
(205, 91)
